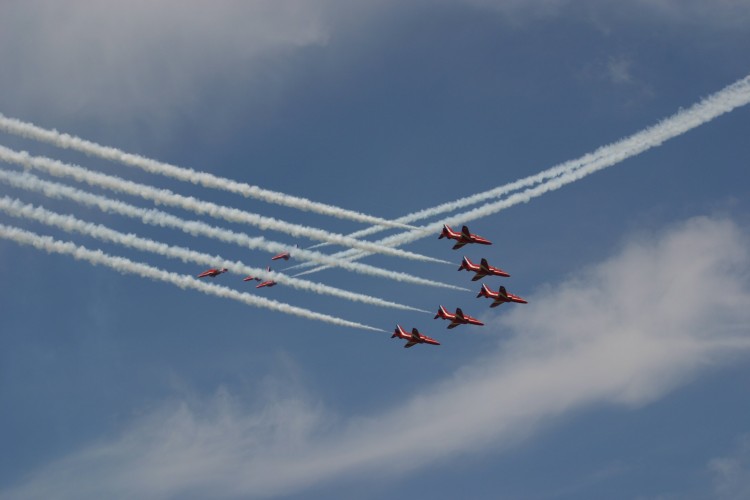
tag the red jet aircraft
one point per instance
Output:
(459, 318)
(284, 255)
(482, 270)
(212, 273)
(500, 297)
(413, 338)
(264, 283)
(463, 237)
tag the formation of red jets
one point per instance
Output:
(457, 318)
(212, 273)
(464, 237)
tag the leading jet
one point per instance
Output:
(500, 297)
(459, 318)
(463, 238)
(413, 338)
(482, 269)
(212, 273)
(284, 255)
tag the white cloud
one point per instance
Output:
(719, 13)
(623, 332)
(732, 473)
(137, 57)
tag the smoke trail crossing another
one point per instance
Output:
(166, 197)
(66, 141)
(29, 182)
(69, 223)
(123, 265)
(717, 104)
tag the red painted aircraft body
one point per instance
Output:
(500, 297)
(459, 318)
(463, 238)
(284, 255)
(483, 269)
(212, 273)
(413, 338)
(262, 284)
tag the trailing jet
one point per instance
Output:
(413, 338)
(212, 273)
(459, 318)
(500, 297)
(483, 269)
(268, 283)
(463, 237)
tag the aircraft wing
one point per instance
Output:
(459, 245)
(410, 344)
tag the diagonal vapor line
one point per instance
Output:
(123, 265)
(29, 182)
(68, 223)
(205, 179)
(166, 197)
(715, 105)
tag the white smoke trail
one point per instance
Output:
(66, 141)
(717, 104)
(69, 223)
(166, 197)
(155, 217)
(123, 265)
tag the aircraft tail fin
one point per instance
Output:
(441, 313)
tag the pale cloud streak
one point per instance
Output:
(731, 473)
(139, 56)
(623, 332)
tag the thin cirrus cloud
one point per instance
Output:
(731, 473)
(78, 55)
(622, 332)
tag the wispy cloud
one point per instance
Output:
(623, 332)
(155, 57)
(731, 473)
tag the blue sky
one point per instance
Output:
(625, 376)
